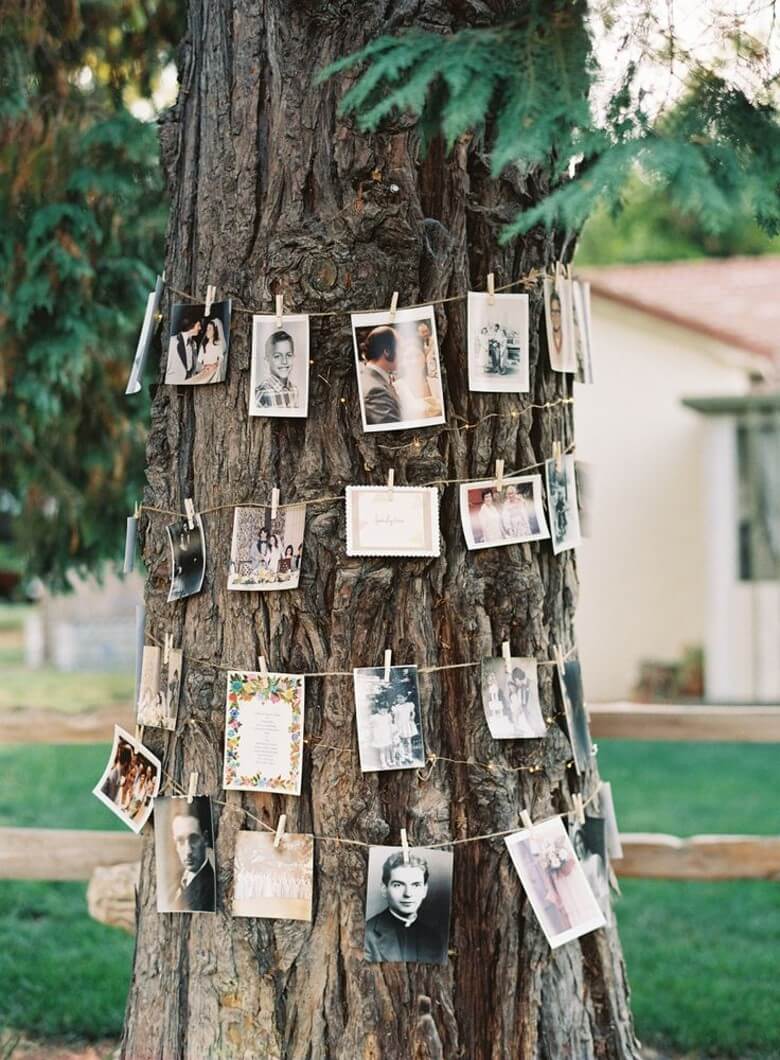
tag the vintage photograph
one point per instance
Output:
(513, 515)
(408, 898)
(130, 780)
(606, 806)
(148, 329)
(398, 369)
(581, 329)
(188, 558)
(171, 687)
(498, 343)
(562, 503)
(273, 882)
(149, 708)
(570, 684)
(510, 697)
(279, 377)
(184, 855)
(590, 845)
(198, 346)
(559, 324)
(389, 719)
(264, 732)
(397, 521)
(266, 553)
(554, 882)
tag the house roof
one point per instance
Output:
(734, 300)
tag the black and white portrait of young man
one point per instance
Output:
(184, 849)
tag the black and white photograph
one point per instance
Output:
(171, 689)
(279, 376)
(397, 521)
(184, 854)
(498, 343)
(590, 845)
(408, 899)
(188, 558)
(606, 806)
(510, 697)
(554, 882)
(389, 718)
(148, 330)
(130, 780)
(149, 708)
(570, 684)
(559, 324)
(492, 517)
(270, 881)
(266, 553)
(562, 503)
(398, 368)
(581, 330)
(198, 345)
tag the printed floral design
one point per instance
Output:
(242, 688)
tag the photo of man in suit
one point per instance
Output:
(403, 931)
(184, 847)
(380, 398)
(184, 346)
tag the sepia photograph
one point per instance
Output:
(184, 855)
(392, 521)
(510, 697)
(498, 343)
(559, 324)
(171, 688)
(398, 369)
(188, 558)
(408, 899)
(606, 807)
(148, 329)
(572, 694)
(273, 882)
(510, 516)
(149, 709)
(554, 882)
(266, 553)
(279, 376)
(590, 845)
(562, 503)
(198, 344)
(389, 718)
(264, 732)
(581, 330)
(130, 780)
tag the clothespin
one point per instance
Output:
(388, 661)
(274, 502)
(525, 819)
(263, 668)
(507, 656)
(189, 508)
(499, 475)
(279, 309)
(193, 787)
(390, 479)
(557, 455)
(167, 648)
(280, 830)
(579, 809)
(139, 733)
(405, 846)
(491, 286)
(393, 306)
(211, 294)
(136, 510)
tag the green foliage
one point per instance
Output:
(527, 89)
(83, 219)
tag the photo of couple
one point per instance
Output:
(266, 552)
(510, 696)
(493, 517)
(498, 342)
(198, 346)
(399, 375)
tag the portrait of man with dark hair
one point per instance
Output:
(184, 848)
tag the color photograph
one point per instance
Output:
(130, 780)
(266, 553)
(491, 517)
(198, 344)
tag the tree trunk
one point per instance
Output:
(271, 192)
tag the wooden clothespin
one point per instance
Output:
(274, 502)
(393, 306)
(507, 656)
(167, 648)
(211, 294)
(280, 830)
(139, 733)
(388, 662)
(189, 508)
(491, 286)
(279, 309)
(499, 475)
(136, 510)
(263, 668)
(525, 819)
(405, 846)
(390, 479)
(192, 787)
(579, 809)
(557, 455)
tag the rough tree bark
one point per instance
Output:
(272, 192)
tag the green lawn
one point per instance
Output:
(702, 958)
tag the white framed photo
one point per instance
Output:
(510, 698)
(264, 732)
(498, 343)
(267, 553)
(398, 369)
(562, 503)
(148, 330)
(397, 521)
(389, 718)
(559, 323)
(130, 780)
(513, 515)
(273, 882)
(279, 375)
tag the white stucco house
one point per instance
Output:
(681, 430)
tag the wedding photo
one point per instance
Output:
(498, 343)
(511, 516)
(279, 375)
(572, 694)
(273, 882)
(581, 328)
(562, 503)
(510, 698)
(408, 899)
(148, 329)
(554, 882)
(266, 553)
(559, 324)
(397, 521)
(398, 369)
(188, 558)
(389, 718)
(590, 845)
(130, 780)
(198, 346)
(149, 709)
(264, 732)
(184, 855)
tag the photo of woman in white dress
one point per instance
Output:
(212, 354)
(510, 698)
(389, 721)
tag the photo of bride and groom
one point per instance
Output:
(198, 346)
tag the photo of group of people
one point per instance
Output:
(184, 855)
(198, 345)
(561, 480)
(498, 342)
(158, 697)
(567, 316)
(130, 780)
(279, 376)
(389, 719)
(273, 880)
(188, 558)
(399, 374)
(267, 551)
(511, 515)
(510, 697)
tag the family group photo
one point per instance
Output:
(267, 550)
(389, 718)
(511, 515)
(198, 345)
(131, 780)
(510, 697)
